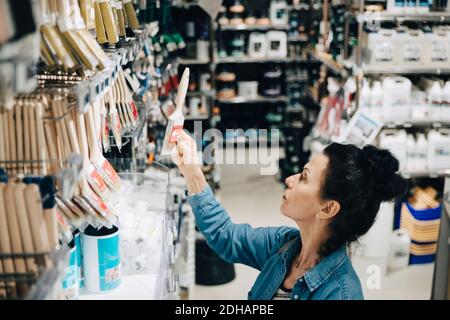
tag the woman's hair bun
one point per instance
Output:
(383, 167)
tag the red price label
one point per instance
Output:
(107, 167)
(134, 110)
(175, 131)
(98, 180)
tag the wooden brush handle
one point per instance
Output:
(12, 141)
(5, 128)
(33, 140)
(2, 142)
(24, 225)
(5, 244)
(35, 212)
(51, 142)
(19, 135)
(42, 152)
(14, 233)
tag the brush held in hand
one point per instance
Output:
(176, 119)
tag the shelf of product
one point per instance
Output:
(404, 17)
(185, 61)
(337, 68)
(367, 70)
(148, 235)
(259, 99)
(246, 59)
(248, 27)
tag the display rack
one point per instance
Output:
(260, 99)
(246, 27)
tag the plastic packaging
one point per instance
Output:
(419, 105)
(445, 108)
(395, 141)
(436, 48)
(399, 255)
(279, 12)
(421, 152)
(397, 93)
(435, 101)
(381, 46)
(257, 45)
(376, 100)
(408, 47)
(411, 154)
(277, 44)
(438, 150)
(364, 98)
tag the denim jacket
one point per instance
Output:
(272, 250)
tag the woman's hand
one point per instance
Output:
(185, 157)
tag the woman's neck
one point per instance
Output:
(313, 236)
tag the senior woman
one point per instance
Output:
(334, 201)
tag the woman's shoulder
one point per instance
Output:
(345, 282)
(287, 236)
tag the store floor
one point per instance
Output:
(255, 199)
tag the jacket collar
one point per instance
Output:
(323, 270)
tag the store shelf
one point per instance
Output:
(404, 70)
(138, 287)
(247, 27)
(298, 39)
(416, 123)
(186, 5)
(259, 99)
(396, 17)
(201, 117)
(332, 65)
(184, 61)
(296, 79)
(426, 174)
(208, 93)
(301, 6)
(259, 60)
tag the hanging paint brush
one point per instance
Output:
(101, 164)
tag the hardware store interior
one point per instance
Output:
(95, 94)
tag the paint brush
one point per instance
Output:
(176, 119)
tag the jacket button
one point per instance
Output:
(301, 280)
(296, 297)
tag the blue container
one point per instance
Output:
(101, 259)
(71, 281)
(79, 253)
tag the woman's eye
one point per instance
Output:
(302, 176)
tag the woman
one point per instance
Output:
(334, 201)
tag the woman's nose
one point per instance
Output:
(289, 181)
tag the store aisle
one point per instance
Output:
(256, 201)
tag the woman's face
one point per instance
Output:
(301, 200)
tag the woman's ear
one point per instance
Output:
(330, 209)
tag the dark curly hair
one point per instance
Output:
(359, 179)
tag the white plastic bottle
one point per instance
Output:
(435, 101)
(395, 141)
(421, 152)
(279, 12)
(376, 100)
(445, 109)
(419, 105)
(364, 98)
(438, 150)
(411, 154)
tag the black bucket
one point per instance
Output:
(210, 269)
